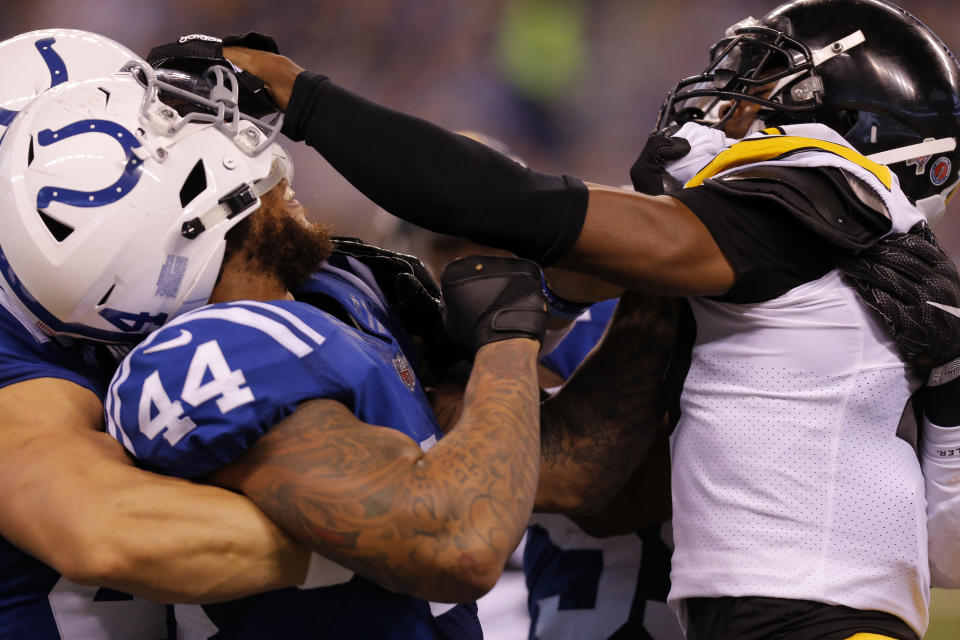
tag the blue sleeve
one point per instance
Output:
(23, 357)
(200, 391)
(575, 346)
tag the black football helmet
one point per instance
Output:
(866, 68)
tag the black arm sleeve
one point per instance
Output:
(434, 178)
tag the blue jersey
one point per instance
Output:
(36, 602)
(586, 588)
(201, 390)
(586, 332)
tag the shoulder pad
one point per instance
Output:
(830, 201)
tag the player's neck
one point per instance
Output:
(240, 282)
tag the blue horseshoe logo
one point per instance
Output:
(58, 74)
(128, 180)
(58, 70)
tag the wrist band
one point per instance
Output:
(560, 307)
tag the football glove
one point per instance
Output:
(192, 55)
(649, 169)
(491, 298)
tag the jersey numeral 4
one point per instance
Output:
(168, 417)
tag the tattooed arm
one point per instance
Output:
(439, 525)
(602, 424)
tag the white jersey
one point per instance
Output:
(789, 479)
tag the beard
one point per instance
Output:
(277, 244)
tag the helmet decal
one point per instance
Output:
(58, 69)
(7, 116)
(58, 74)
(130, 322)
(940, 171)
(920, 163)
(171, 276)
(127, 181)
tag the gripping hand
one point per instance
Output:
(196, 53)
(649, 168)
(490, 299)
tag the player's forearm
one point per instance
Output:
(602, 423)
(644, 501)
(158, 537)
(652, 244)
(438, 525)
(72, 499)
(434, 178)
(488, 462)
(940, 460)
(183, 542)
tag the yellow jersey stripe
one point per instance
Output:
(776, 146)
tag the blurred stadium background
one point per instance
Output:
(572, 86)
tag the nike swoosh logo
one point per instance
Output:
(184, 338)
(954, 311)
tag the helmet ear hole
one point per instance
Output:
(106, 296)
(56, 228)
(194, 185)
(30, 152)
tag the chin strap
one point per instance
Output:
(238, 201)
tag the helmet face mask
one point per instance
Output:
(115, 206)
(210, 97)
(865, 68)
(745, 66)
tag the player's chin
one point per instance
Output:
(298, 212)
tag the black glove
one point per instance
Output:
(914, 288)
(195, 53)
(414, 296)
(649, 169)
(489, 299)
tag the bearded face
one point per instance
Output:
(278, 239)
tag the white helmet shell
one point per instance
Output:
(38, 60)
(114, 208)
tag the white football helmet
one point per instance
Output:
(115, 197)
(38, 60)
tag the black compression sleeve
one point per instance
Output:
(436, 179)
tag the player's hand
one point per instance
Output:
(491, 298)
(649, 169)
(196, 53)
(201, 47)
(277, 72)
